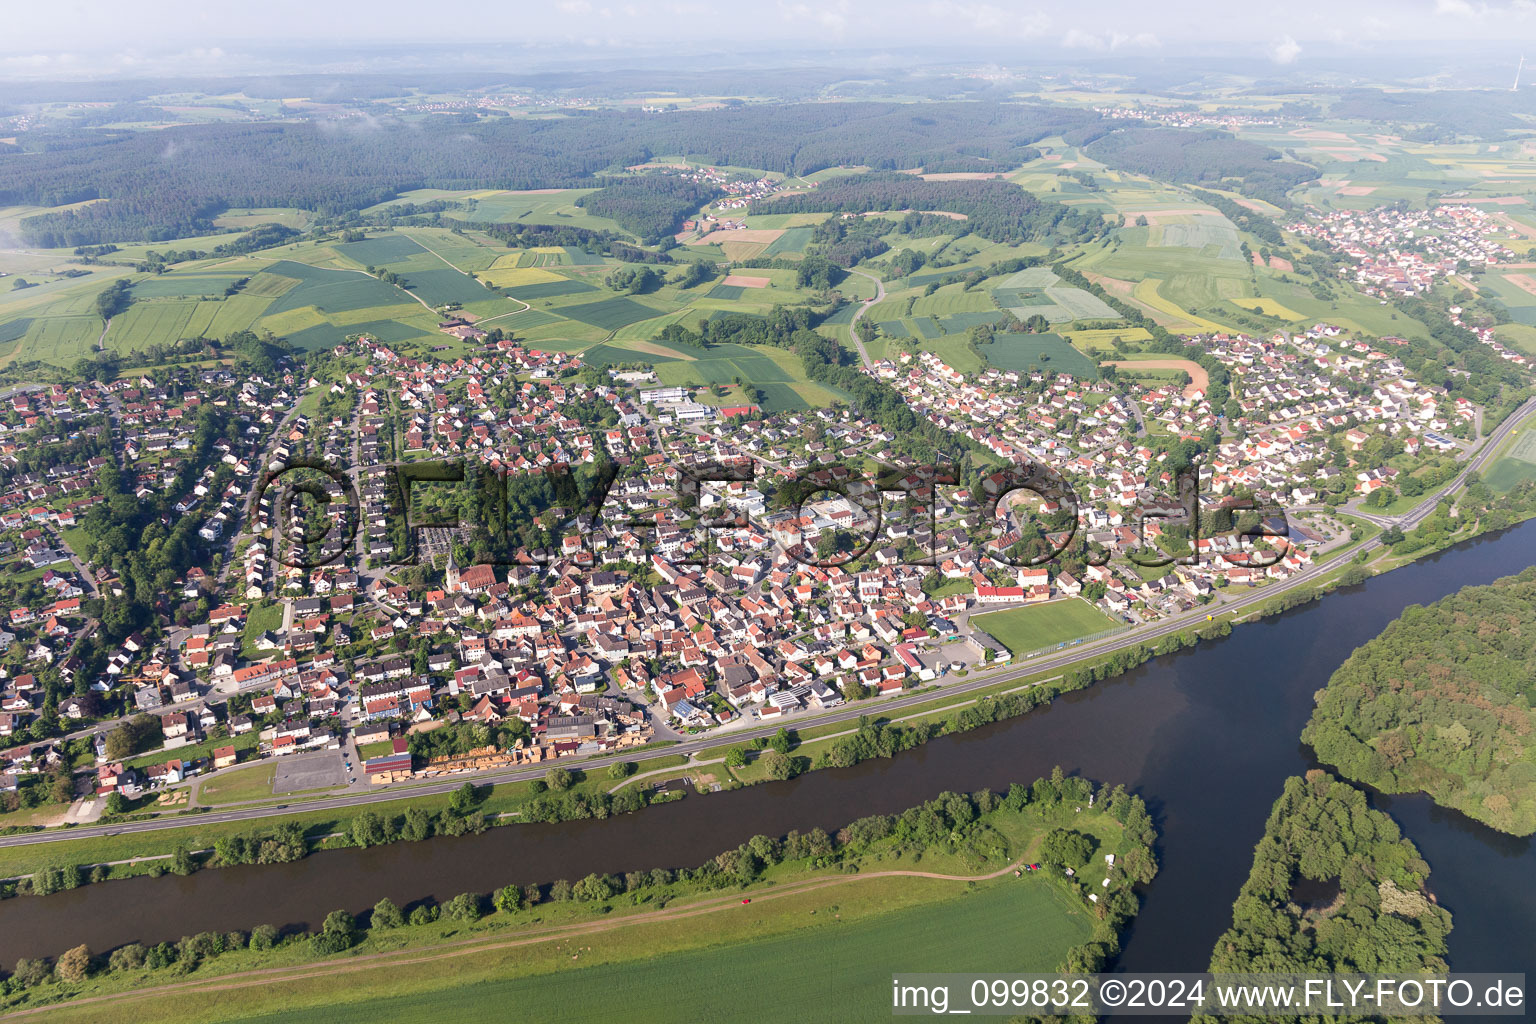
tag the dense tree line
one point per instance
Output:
(1202, 157)
(1251, 221)
(1440, 701)
(172, 183)
(1367, 912)
(967, 824)
(996, 210)
(650, 206)
(263, 236)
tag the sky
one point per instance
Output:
(201, 36)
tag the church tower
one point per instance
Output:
(451, 573)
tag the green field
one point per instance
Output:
(1027, 629)
(229, 787)
(829, 971)
(550, 289)
(609, 314)
(330, 291)
(1516, 465)
(1021, 352)
(381, 251)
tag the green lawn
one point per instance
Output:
(195, 750)
(252, 783)
(1027, 629)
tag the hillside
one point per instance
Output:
(1441, 702)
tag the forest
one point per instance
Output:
(1204, 158)
(996, 210)
(649, 206)
(1335, 888)
(1440, 701)
(172, 183)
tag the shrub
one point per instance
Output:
(127, 958)
(424, 914)
(30, 972)
(560, 891)
(263, 936)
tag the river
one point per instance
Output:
(1206, 736)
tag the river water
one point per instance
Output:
(1205, 736)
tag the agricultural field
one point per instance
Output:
(1003, 927)
(1027, 629)
(1517, 464)
(1022, 352)
(1037, 291)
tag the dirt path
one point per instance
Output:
(434, 252)
(467, 947)
(1199, 380)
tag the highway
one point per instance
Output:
(848, 713)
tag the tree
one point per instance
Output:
(780, 766)
(464, 799)
(621, 769)
(464, 907)
(182, 862)
(386, 915)
(735, 758)
(426, 913)
(784, 740)
(367, 830)
(508, 898)
(558, 779)
(30, 972)
(127, 958)
(418, 824)
(264, 936)
(74, 965)
(1065, 848)
(593, 889)
(560, 890)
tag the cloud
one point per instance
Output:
(1079, 40)
(984, 17)
(573, 7)
(1466, 10)
(1285, 50)
(833, 17)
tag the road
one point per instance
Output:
(853, 324)
(848, 713)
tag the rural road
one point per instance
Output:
(864, 308)
(847, 713)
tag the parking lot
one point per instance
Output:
(297, 773)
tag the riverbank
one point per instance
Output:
(958, 866)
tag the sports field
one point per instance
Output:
(1027, 629)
